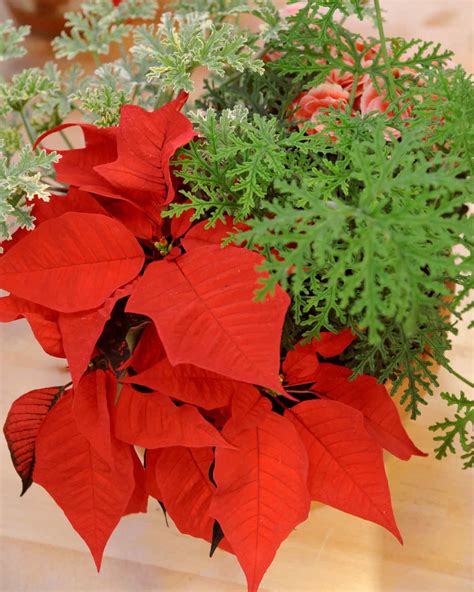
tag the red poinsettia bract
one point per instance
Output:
(169, 351)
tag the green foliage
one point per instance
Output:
(182, 42)
(99, 24)
(459, 427)
(240, 160)
(409, 362)
(11, 38)
(365, 214)
(310, 53)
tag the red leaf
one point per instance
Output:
(146, 142)
(333, 344)
(203, 305)
(22, 425)
(154, 421)
(182, 475)
(345, 464)
(261, 492)
(91, 412)
(249, 409)
(72, 263)
(200, 236)
(374, 402)
(139, 501)
(131, 216)
(148, 351)
(77, 166)
(43, 322)
(74, 201)
(301, 364)
(180, 225)
(81, 330)
(92, 493)
(189, 383)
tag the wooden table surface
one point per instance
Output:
(331, 552)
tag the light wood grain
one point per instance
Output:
(331, 552)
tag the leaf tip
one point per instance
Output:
(26, 484)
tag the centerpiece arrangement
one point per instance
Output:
(233, 279)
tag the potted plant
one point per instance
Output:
(234, 280)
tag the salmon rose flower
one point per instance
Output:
(371, 100)
(311, 103)
(291, 9)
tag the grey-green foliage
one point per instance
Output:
(217, 9)
(22, 171)
(11, 38)
(38, 99)
(21, 180)
(110, 88)
(26, 85)
(182, 42)
(99, 24)
(459, 428)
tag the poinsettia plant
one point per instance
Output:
(232, 282)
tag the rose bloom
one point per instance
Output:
(310, 104)
(371, 100)
(346, 78)
(291, 9)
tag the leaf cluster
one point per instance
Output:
(98, 25)
(21, 181)
(361, 222)
(239, 158)
(459, 427)
(217, 9)
(11, 38)
(182, 42)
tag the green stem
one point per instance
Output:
(28, 128)
(15, 201)
(354, 89)
(383, 42)
(97, 61)
(451, 370)
(124, 56)
(66, 140)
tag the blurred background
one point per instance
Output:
(331, 552)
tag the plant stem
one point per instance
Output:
(97, 61)
(451, 370)
(66, 140)
(383, 42)
(354, 89)
(124, 56)
(27, 126)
